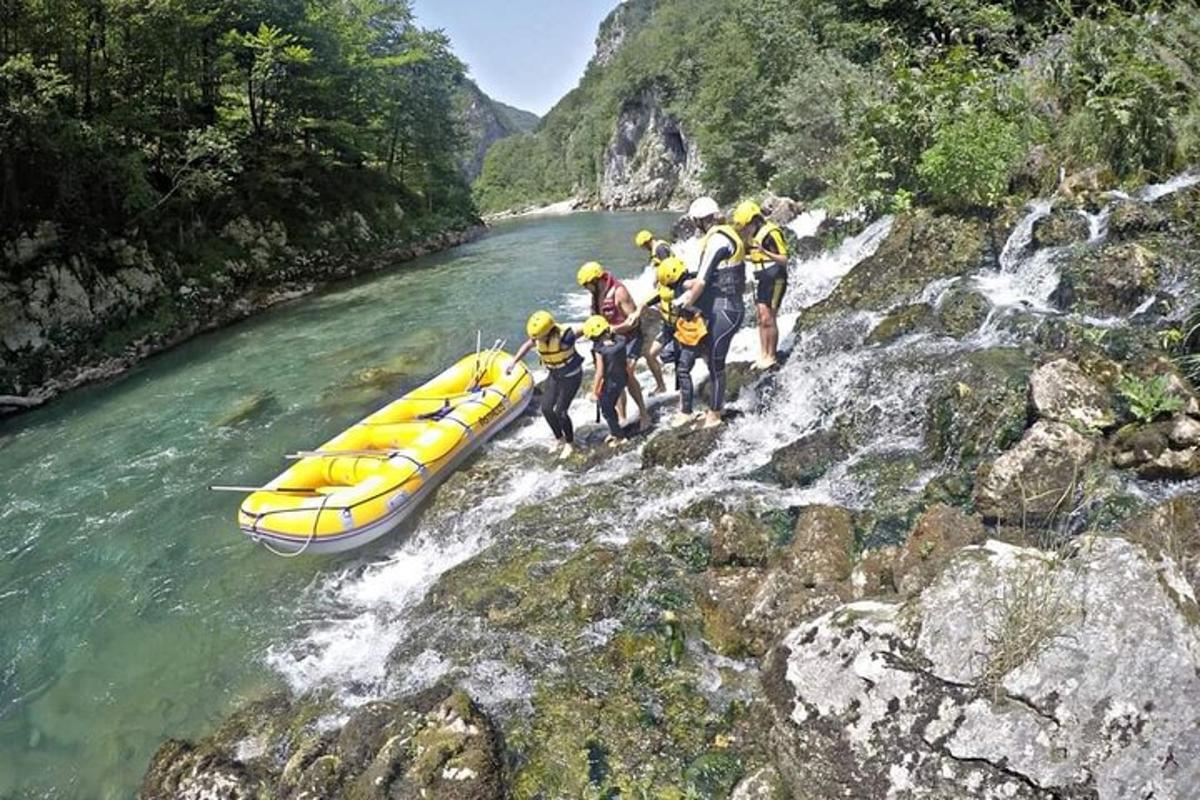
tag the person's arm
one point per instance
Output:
(522, 351)
(598, 379)
(629, 309)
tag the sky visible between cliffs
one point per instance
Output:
(527, 53)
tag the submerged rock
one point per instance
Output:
(1112, 280)
(910, 319)
(1062, 393)
(805, 460)
(1015, 675)
(961, 312)
(1038, 478)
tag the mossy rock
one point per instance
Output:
(910, 319)
(1111, 280)
(980, 408)
(922, 247)
(805, 460)
(675, 448)
(1130, 219)
(1061, 227)
(961, 312)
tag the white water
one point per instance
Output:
(365, 615)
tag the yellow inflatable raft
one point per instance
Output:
(364, 482)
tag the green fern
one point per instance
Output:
(1149, 398)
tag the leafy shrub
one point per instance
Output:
(1149, 398)
(971, 159)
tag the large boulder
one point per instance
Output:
(1062, 393)
(920, 248)
(1038, 478)
(1015, 675)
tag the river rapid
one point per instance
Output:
(131, 609)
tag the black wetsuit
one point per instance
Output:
(724, 311)
(613, 352)
(560, 390)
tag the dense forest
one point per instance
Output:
(887, 102)
(168, 119)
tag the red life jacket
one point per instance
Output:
(609, 308)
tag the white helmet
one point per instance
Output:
(703, 208)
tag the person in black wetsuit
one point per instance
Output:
(611, 354)
(717, 292)
(556, 347)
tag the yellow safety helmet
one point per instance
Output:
(745, 213)
(591, 271)
(595, 327)
(670, 271)
(643, 238)
(540, 323)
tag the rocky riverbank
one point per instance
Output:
(69, 321)
(950, 549)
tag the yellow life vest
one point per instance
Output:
(772, 231)
(552, 352)
(739, 246)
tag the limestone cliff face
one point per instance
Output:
(486, 121)
(651, 160)
(616, 29)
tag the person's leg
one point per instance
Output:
(568, 389)
(550, 394)
(727, 319)
(634, 389)
(609, 397)
(656, 370)
(683, 376)
(764, 323)
(778, 290)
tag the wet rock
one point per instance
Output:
(1130, 218)
(875, 573)
(939, 533)
(1069, 678)
(1112, 280)
(1061, 227)
(978, 409)
(434, 744)
(1062, 393)
(805, 460)
(1037, 478)
(922, 247)
(745, 610)
(674, 448)
(1168, 450)
(764, 783)
(741, 539)
(915, 318)
(962, 312)
(1172, 530)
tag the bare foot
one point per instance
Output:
(566, 453)
(613, 441)
(553, 447)
(712, 419)
(657, 390)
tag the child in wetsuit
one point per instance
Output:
(611, 372)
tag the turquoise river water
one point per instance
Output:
(131, 609)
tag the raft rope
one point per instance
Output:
(312, 535)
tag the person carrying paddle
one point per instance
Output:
(556, 348)
(612, 301)
(611, 353)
